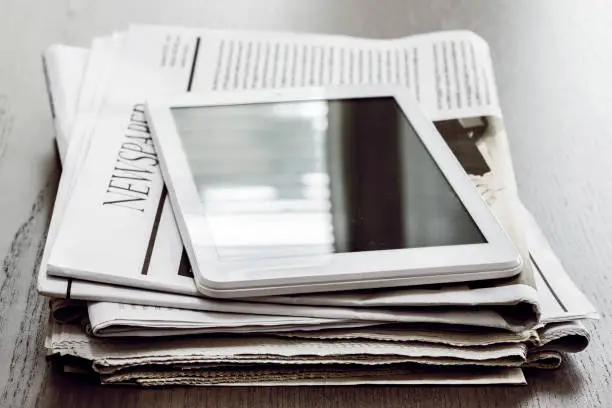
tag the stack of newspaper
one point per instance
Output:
(124, 305)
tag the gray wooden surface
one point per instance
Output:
(553, 62)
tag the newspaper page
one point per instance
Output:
(174, 378)
(100, 320)
(139, 262)
(560, 298)
(97, 292)
(217, 359)
(179, 279)
(87, 105)
(118, 320)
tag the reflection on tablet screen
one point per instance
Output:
(318, 177)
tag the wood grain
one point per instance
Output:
(553, 61)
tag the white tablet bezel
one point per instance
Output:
(496, 258)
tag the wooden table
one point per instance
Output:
(553, 62)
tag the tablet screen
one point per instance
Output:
(310, 178)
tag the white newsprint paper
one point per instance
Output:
(454, 295)
(72, 125)
(179, 363)
(79, 289)
(119, 192)
(117, 320)
(269, 360)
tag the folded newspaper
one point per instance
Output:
(396, 335)
(511, 295)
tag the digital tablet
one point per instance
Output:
(321, 189)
